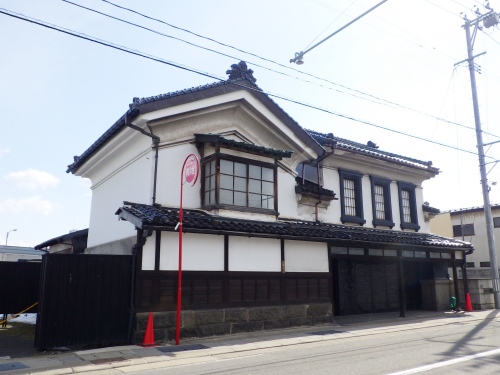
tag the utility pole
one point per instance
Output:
(488, 19)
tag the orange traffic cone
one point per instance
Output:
(149, 336)
(468, 304)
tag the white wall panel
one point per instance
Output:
(287, 199)
(200, 252)
(304, 256)
(254, 254)
(148, 254)
(129, 184)
(170, 160)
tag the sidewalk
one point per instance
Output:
(133, 358)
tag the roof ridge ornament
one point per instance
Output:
(241, 70)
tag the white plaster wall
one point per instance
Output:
(287, 199)
(331, 181)
(148, 254)
(133, 184)
(200, 252)
(304, 256)
(170, 161)
(396, 215)
(254, 254)
(424, 225)
(367, 201)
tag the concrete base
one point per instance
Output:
(202, 323)
(480, 288)
(436, 294)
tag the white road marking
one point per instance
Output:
(447, 363)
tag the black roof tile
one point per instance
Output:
(166, 218)
(370, 149)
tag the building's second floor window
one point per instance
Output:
(461, 230)
(238, 183)
(311, 173)
(381, 202)
(496, 222)
(351, 197)
(408, 206)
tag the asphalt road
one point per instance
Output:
(465, 347)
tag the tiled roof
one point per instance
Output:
(372, 150)
(471, 209)
(65, 237)
(313, 139)
(432, 210)
(166, 218)
(247, 147)
(309, 188)
(138, 103)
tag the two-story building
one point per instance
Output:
(469, 224)
(285, 226)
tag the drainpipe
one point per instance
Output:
(156, 142)
(317, 161)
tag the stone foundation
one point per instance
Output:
(436, 294)
(480, 288)
(202, 323)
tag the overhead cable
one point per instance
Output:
(378, 99)
(205, 74)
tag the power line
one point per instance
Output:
(217, 52)
(193, 70)
(378, 99)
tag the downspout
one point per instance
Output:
(156, 143)
(141, 241)
(317, 161)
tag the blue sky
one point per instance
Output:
(60, 93)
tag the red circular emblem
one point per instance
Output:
(191, 170)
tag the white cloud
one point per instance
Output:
(4, 151)
(32, 179)
(36, 203)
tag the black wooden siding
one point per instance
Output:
(19, 285)
(157, 290)
(84, 300)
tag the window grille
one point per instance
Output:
(349, 197)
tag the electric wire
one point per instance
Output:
(224, 54)
(331, 23)
(380, 100)
(193, 70)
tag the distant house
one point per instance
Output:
(74, 242)
(285, 226)
(469, 224)
(18, 253)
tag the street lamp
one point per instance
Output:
(7, 236)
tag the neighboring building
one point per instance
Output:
(469, 224)
(18, 253)
(74, 242)
(284, 227)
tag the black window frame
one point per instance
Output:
(496, 222)
(464, 230)
(217, 205)
(356, 177)
(411, 189)
(309, 166)
(386, 186)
